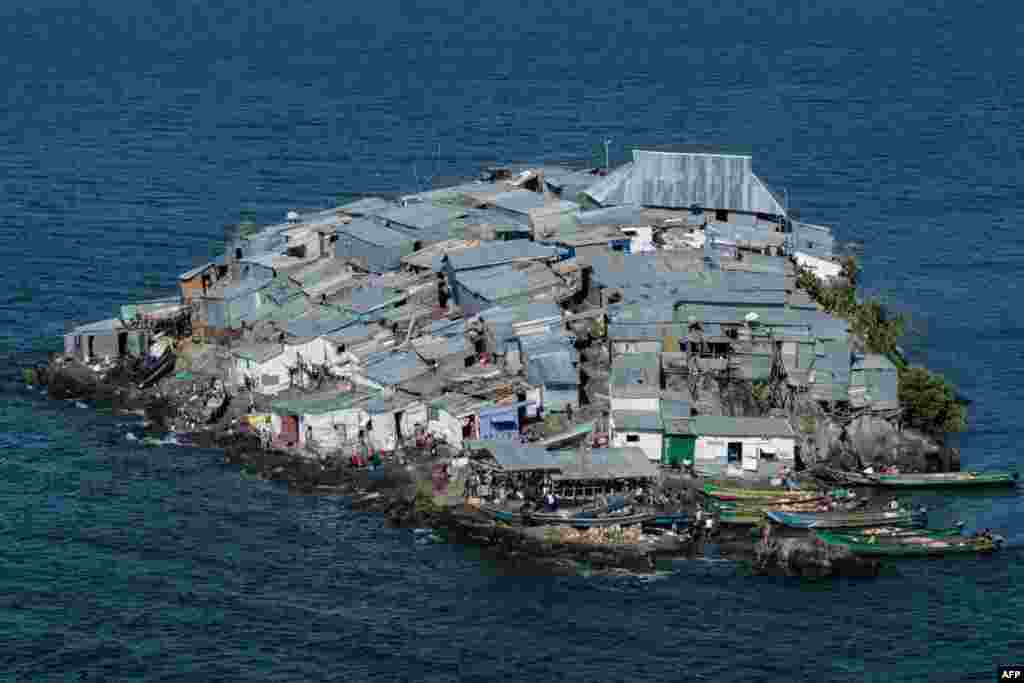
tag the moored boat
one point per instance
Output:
(866, 535)
(578, 519)
(729, 493)
(947, 479)
(847, 520)
(911, 546)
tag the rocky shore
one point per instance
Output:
(395, 492)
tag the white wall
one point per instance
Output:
(649, 405)
(648, 442)
(382, 437)
(622, 348)
(711, 450)
(413, 414)
(820, 267)
(334, 429)
(276, 367)
(448, 427)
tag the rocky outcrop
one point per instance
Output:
(809, 557)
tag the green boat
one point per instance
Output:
(847, 520)
(911, 546)
(944, 479)
(851, 537)
(731, 493)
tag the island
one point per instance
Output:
(601, 367)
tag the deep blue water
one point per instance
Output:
(133, 132)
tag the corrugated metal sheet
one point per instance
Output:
(515, 457)
(367, 205)
(420, 216)
(316, 327)
(636, 421)
(394, 369)
(372, 232)
(552, 369)
(615, 215)
(98, 328)
(681, 180)
(524, 201)
(258, 353)
(713, 425)
(489, 254)
(815, 240)
(606, 463)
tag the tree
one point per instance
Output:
(929, 402)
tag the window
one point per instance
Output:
(721, 215)
(632, 438)
(735, 452)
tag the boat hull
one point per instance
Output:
(896, 548)
(847, 521)
(946, 480)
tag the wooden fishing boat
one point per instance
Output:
(912, 546)
(947, 479)
(847, 520)
(888, 533)
(727, 493)
(579, 520)
(668, 519)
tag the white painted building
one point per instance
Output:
(638, 429)
(742, 445)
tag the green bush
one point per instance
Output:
(929, 402)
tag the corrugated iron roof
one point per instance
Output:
(716, 425)
(420, 215)
(515, 457)
(372, 232)
(488, 254)
(99, 327)
(637, 421)
(316, 327)
(681, 180)
(257, 353)
(394, 368)
(605, 463)
(524, 201)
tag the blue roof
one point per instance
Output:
(315, 327)
(513, 456)
(495, 253)
(419, 216)
(552, 368)
(394, 368)
(189, 274)
(495, 283)
(372, 232)
(523, 201)
(356, 330)
(616, 215)
(247, 286)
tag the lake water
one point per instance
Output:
(133, 133)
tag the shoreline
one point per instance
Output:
(391, 494)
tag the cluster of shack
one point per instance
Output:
(566, 321)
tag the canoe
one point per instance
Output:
(846, 520)
(893, 533)
(667, 519)
(578, 520)
(921, 546)
(728, 493)
(944, 479)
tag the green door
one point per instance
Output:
(678, 450)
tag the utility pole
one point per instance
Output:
(607, 163)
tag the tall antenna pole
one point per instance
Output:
(607, 163)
